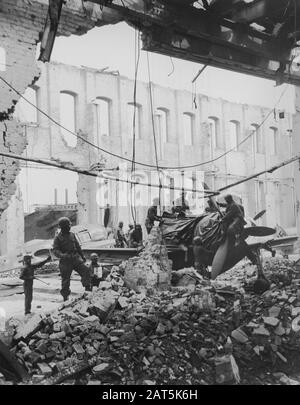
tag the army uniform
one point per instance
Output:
(68, 250)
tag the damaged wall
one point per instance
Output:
(21, 24)
(86, 84)
(12, 225)
(296, 148)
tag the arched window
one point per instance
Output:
(273, 134)
(172, 194)
(260, 196)
(2, 59)
(258, 138)
(27, 112)
(161, 118)
(68, 117)
(214, 131)
(161, 128)
(103, 117)
(234, 134)
(188, 128)
(133, 120)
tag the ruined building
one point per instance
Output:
(22, 24)
(185, 135)
(99, 106)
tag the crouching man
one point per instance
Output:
(27, 275)
(68, 250)
(97, 273)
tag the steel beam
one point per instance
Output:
(195, 50)
(201, 36)
(259, 9)
(202, 25)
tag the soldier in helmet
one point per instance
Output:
(233, 220)
(68, 250)
(152, 215)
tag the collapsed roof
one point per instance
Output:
(257, 37)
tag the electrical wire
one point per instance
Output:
(173, 67)
(93, 174)
(153, 130)
(137, 60)
(71, 132)
(155, 148)
(209, 193)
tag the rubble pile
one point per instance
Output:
(152, 268)
(50, 343)
(123, 338)
(206, 333)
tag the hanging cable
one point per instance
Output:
(71, 132)
(173, 67)
(153, 131)
(206, 193)
(132, 191)
(155, 147)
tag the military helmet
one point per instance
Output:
(63, 221)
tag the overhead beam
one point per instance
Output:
(259, 9)
(195, 50)
(223, 7)
(50, 30)
(200, 24)
(201, 36)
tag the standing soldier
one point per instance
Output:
(152, 215)
(68, 250)
(181, 205)
(129, 232)
(121, 240)
(27, 275)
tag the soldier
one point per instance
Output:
(152, 215)
(129, 232)
(68, 250)
(97, 273)
(27, 275)
(121, 240)
(233, 219)
(181, 205)
(136, 237)
(211, 207)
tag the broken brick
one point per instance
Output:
(261, 331)
(239, 336)
(271, 321)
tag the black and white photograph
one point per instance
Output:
(149, 195)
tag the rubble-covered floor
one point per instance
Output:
(45, 297)
(204, 333)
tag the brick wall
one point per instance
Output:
(21, 24)
(88, 84)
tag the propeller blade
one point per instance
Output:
(219, 259)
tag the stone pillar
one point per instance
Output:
(296, 149)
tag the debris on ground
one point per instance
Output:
(130, 332)
(152, 268)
